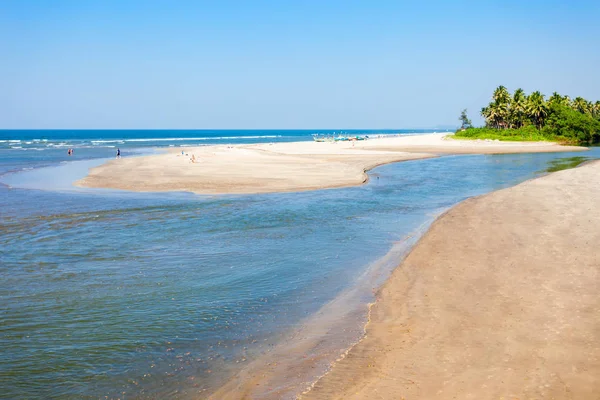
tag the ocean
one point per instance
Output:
(113, 294)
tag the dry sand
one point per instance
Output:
(283, 167)
(499, 300)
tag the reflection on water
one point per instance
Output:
(566, 163)
(155, 295)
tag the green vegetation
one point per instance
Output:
(465, 121)
(565, 163)
(531, 118)
(527, 133)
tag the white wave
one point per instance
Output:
(14, 141)
(94, 147)
(201, 138)
(28, 142)
(106, 141)
(16, 147)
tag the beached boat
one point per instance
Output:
(322, 138)
(349, 138)
(338, 138)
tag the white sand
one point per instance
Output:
(281, 167)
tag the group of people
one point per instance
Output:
(193, 158)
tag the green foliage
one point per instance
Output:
(522, 117)
(537, 109)
(464, 119)
(518, 108)
(571, 125)
(524, 134)
(566, 163)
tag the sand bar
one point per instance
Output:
(499, 300)
(284, 167)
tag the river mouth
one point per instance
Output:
(172, 295)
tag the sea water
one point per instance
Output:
(112, 294)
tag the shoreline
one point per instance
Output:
(380, 363)
(432, 161)
(306, 352)
(285, 166)
(253, 381)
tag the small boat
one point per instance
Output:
(322, 138)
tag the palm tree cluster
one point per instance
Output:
(506, 111)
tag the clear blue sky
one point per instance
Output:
(285, 64)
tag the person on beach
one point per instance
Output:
(118, 153)
(193, 159)
(69, 152)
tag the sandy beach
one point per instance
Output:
(499, 300)
(284, 167)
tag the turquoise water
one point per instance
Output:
(127, 295)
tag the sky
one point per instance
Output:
(284, 64)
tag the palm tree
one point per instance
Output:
(501, 95)
(537, 109)
(556, 99)
(503, 113)
(567, 101)
(580, 104)
(485, 113)
(501, 104)
(517, 108)
(596, 110)
(492, 115)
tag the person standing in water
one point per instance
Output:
(118, 153)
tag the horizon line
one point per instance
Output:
(215, 129)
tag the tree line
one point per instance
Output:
(519, 109)
(558, 118)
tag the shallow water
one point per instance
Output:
(127, 295)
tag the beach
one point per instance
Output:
(246, 295)
(299, 200)
(285, 167)
(499, 299)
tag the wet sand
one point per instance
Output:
(499, 300)
(307, 350)
(284, 167)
